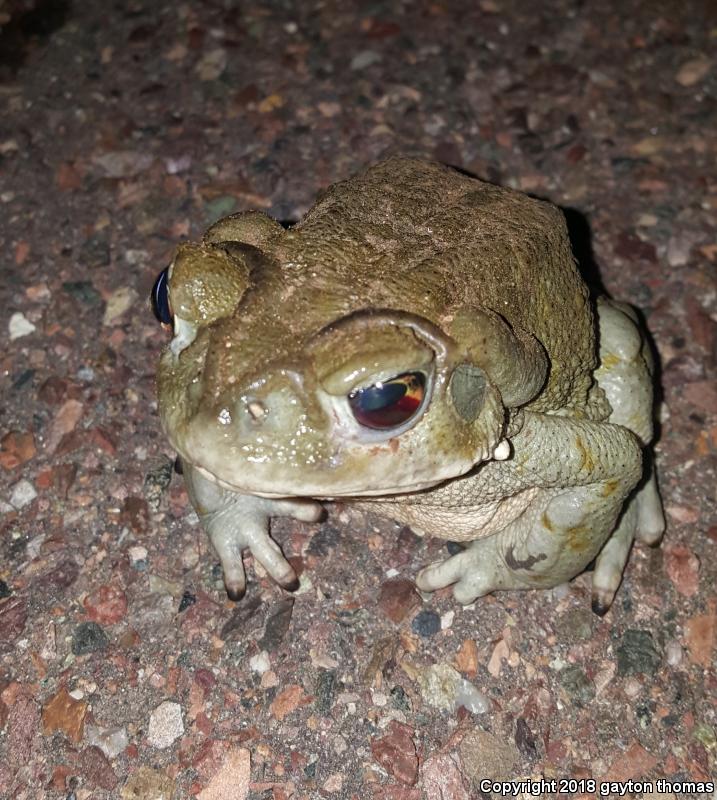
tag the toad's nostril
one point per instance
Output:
(256, 409)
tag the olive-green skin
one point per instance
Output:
(409, 267)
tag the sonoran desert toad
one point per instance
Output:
(422, 346)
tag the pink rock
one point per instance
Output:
(398, 598)
(107, 605)
(442, 777)
(396, 753)
(683, 567)
(231, 779)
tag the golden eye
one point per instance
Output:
(389, 404)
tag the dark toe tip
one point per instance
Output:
(235, 593)
(600, 608)
(291, 584)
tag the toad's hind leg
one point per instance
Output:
(625, 375)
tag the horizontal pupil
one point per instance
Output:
(387, 405)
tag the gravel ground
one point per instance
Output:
(124, 670)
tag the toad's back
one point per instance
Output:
(416, 236)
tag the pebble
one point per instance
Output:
(231, 779)
(444, 687)
(288, 700)
(147, 784)
(111, 741)
(577, 684)
(120, 301)
(64, 713)
(682, 567)
(107, 605)
(398, 599)
(692, 71)
(637, 653)
(260, 663)
(165, 725)
(19, 326)
(23, 493)
(396, 753)
(365, 59)
(441, 776)
(426, 623)
(673, 653)
(485, 755)
(466, 659)
(88, 637)
(137, 554)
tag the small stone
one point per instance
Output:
(147, 784)
(16, 448)
(63, 713)
(120, 301)
(692, 72)
(19, 326)
(577, 684)
(23, 493)
(123, 163)
(426, 623)
(277, 624)
(65, 421)
(288, 700)
(135, 513)
(107, 605)
(484, 755)
(111, 741)
(165, 725)
(260, 663)
(673, 653)
(524, 739)
(232, 778)
(637, 654)
(365, 59)
(445, 688)
(466, 660)
(678, 251)
(576, 624)
(632, 764)
(88, 638)
(188, 599)
(682, 567)
(398, 599)
(157, 481)
(334, 783)
(212, 64)
(137, 556)
(396, 753)
(325, 691)
(700, 637)
(441, 777)
(96, 769)
(399, 699)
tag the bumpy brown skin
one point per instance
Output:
(408, 266)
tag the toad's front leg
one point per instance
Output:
(580, 474)
(237, 521)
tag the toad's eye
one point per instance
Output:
(160, 299)
(388, 404)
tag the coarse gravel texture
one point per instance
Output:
(125, 672)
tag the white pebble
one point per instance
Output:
(19, 325)
(673, 653)
(165, 724)
(260, 662)
(23, 493)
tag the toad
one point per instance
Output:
(422, 346)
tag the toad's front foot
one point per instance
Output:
(235, 522)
